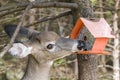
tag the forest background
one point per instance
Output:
(60, 21)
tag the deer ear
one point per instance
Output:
(24, 34)
(19, 50)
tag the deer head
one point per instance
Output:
(42, 47)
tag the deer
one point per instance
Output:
(42, 49)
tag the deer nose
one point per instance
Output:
(81, 45)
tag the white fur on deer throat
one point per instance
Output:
(19, 50)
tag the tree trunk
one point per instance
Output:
(116, 69)
(87, 64)
(102, 57)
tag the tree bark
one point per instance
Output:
(87, 64)
(116, 69)
(102, 57)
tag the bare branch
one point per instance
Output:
(111, 46)
(105, 75)
(37, 4)
(107, 66)
(55, 4)
(16, 32)
(66, 13)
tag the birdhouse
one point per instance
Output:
(99, 29)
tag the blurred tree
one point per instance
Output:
(116, 66)
(111, 11)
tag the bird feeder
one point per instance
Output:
(99, 29)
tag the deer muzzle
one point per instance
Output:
(70, 44)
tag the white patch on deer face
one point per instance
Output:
(19, 50)
(74, 47)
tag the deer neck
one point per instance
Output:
(36, 70)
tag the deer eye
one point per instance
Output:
(49, 46)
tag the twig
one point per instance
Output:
(50, 18)
(13, 7)
(16, 31)
(10, 12)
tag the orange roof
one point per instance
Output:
(98, 28)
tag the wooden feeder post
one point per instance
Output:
(100, 30)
